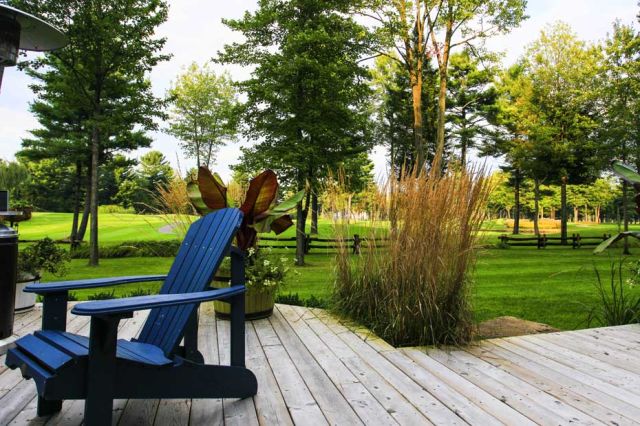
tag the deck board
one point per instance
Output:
(313, 368)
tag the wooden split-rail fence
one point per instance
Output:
(542, 240)
(356, 243)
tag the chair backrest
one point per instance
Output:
(200, 255)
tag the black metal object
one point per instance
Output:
(8, 275)
(4, 201)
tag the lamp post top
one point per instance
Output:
(35, 34)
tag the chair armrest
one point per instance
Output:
(131, 304)
(60, 286)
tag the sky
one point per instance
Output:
(195, 33)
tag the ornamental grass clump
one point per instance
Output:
(411, 283)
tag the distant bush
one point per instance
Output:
(295, 300)
(103, 295)
(115, 209)
(131, 249)
(528, 224)
(139, 292)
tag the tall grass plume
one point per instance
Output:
(410, 284)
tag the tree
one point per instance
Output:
(563, 72)
(394, 112)
(465, 23)
(13, 178)
(100, 78)
(472, 102)
(307, 98)
(620, 94)
(403, 28)
(513, 113)
(204, 113)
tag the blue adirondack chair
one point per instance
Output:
(101, 367)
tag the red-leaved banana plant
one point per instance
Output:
(261, 214)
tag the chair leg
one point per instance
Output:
(101, 371)
(47, 407)
(237, 330)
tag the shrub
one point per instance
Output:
(616, 306)
(103, 295)
(139, 292)
(131, 249)
(115, 209)
(415, 289)
(295, 300)
(42, 256)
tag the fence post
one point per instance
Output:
(307, 243)
(539, 241)
(356, 244)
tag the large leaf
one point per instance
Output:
(625, 172)
(273, 223)
(289, 204)
(196, 199)
(281, 224)
(614, 239)
(261, 193)
(214, 193)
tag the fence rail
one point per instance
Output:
(354, 243)
(542, 240)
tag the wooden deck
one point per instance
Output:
(313, 370)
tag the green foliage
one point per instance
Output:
(131, 249)
(471, 102)
(204, 112)
(43, 256)
(616, 305)
(294, 299)
(394, 111)
(14, 178)
(102, 295)
(139, 292)
(115, 209)
(265, 270)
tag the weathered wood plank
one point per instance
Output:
(334, 406)
(627, 360)
(236, 411)
(602, 386)
(270, 405)
(207, 411)
(400, 395)
(173, 412)
(364, 404)
(529, 400)
(562, 387)
(580, 362)
(300, 402)
(492, 405)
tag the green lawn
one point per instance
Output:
(553, 286)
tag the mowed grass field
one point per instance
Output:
(553, 286)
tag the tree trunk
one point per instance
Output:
(563, 211)
(93, 227)
(516, 213)
(625, 216)
(76, 205)
(301, 221)
(442, 109)
(82, 230)
(314, 214)
(416, 95)
(536, 212)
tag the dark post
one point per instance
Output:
(564, 216)
(8, 275)
(307, 244)
(356, 244)
(237, 311)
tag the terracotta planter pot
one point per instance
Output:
(258, 304)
